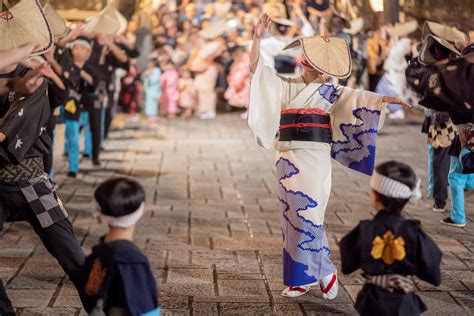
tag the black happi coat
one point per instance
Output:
(467, 161)
(445, 88)
(119, 273)
(24, 122)
(422, 259)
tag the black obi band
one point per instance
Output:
(310, 125)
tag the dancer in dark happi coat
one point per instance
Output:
(118, 277)
(26, 194)
(389, 249)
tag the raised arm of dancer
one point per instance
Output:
(262, 26)
(16, 55)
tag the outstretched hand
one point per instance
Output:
(396, 100)
(262, 26)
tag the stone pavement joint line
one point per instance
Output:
(212, 232)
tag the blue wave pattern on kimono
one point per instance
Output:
(358, 151)
(306, 252)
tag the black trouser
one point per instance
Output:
(58, 239)
(95, 125)
(109, 113)
(48, 158)
(441, 163)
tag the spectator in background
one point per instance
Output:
(377, 49)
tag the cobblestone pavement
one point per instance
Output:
(212, 234)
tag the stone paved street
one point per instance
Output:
(212, 231)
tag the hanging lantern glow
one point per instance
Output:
(376, 5)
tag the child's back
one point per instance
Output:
(117, 276)
(386, 246)
(390, 249)
(119, 271)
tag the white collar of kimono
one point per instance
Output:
(394, 189)
(125, 221)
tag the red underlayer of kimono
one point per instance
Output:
(315, 122)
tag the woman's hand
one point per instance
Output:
(262, 26)
(396, 100)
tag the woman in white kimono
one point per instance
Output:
(316, 121)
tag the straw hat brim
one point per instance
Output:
(282, 21)
(25, 23)
(58, 27)
(106, 22)
(214, 31)
(330, 55)
(448, 33)
(425, 56)
(357, 25)
(404, 29)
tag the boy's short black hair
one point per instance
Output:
(119, 196)
(402, 173)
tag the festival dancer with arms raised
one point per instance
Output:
(316, 120)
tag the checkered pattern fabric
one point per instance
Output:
(41, 195)
(441, 134)
(392, 282)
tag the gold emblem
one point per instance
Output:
(389, 248)
(96, 278)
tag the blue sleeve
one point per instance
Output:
(140, 288)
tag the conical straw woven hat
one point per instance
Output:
(448, 33)
(106, 22)
(25, 23)
(214, 31)
(406, 28)
(329, 55)
(58, 27)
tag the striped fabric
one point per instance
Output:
(391, 282)
(389, 187)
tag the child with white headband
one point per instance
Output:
(389, 249)
(118, 278)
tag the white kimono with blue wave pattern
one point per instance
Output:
(304, 168)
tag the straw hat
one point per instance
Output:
(106, 22)
(284, 22)
(444, 35)
(58, 27)
(329, 55)
(356, 26)
(449, 33)
(25, 23)
(213, 31)
(404, 29)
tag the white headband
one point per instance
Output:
(80, 42)
(125, 221)
(394, 189)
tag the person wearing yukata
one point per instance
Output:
(316, 121)
(117, 276)
(203, 63)
(238, 92)
(169, 89)
(82, 82)
(152, 89)
(187, 92)
(390, 249)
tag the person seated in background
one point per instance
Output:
(117, 276)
